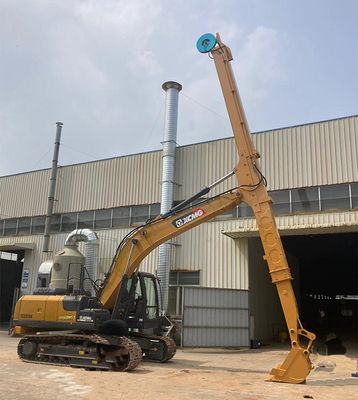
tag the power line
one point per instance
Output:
(150, 134)
(41, 159)
(89, 155)
(204, 106)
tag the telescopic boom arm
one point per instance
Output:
(297, 364)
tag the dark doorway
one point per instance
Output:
(10, 277)
(328, 281)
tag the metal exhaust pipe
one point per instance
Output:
(52, 188)
(172, 90)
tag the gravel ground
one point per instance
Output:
(192, 374)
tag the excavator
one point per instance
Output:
(121, 323)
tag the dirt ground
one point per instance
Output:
(192, 374)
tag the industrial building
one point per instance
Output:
(312, 174)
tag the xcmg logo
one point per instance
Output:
(188, 218)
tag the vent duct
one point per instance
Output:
(92, 245)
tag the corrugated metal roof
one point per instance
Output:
(301, 224)
(113, 183)
(307, 155)
(317, 154)
(183, 146)
(24, 195)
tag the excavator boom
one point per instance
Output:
(297, 365)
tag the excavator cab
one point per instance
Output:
(139, 303)
(137, 306)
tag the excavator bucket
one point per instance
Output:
(295, 368)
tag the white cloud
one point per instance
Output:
(81, 45)
(229, 31)
(73, 61)
(258, 63)
(130, 18)
(98, 66)
(146, 62)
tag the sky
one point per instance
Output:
(98, 67)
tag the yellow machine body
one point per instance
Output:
(37, 310)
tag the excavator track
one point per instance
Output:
(169, 346)
(94, 352)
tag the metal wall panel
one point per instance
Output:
(308, 155)
(199, 165)
(24, 194)
(215, 317)
(316, 154)
(221, 263)
(130, 180)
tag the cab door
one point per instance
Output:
(151, 294)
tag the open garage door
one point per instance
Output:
(11, 266)
(328, 281)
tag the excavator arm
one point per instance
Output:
(297, 364)
(149, 236)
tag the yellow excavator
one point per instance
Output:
(109, 331)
